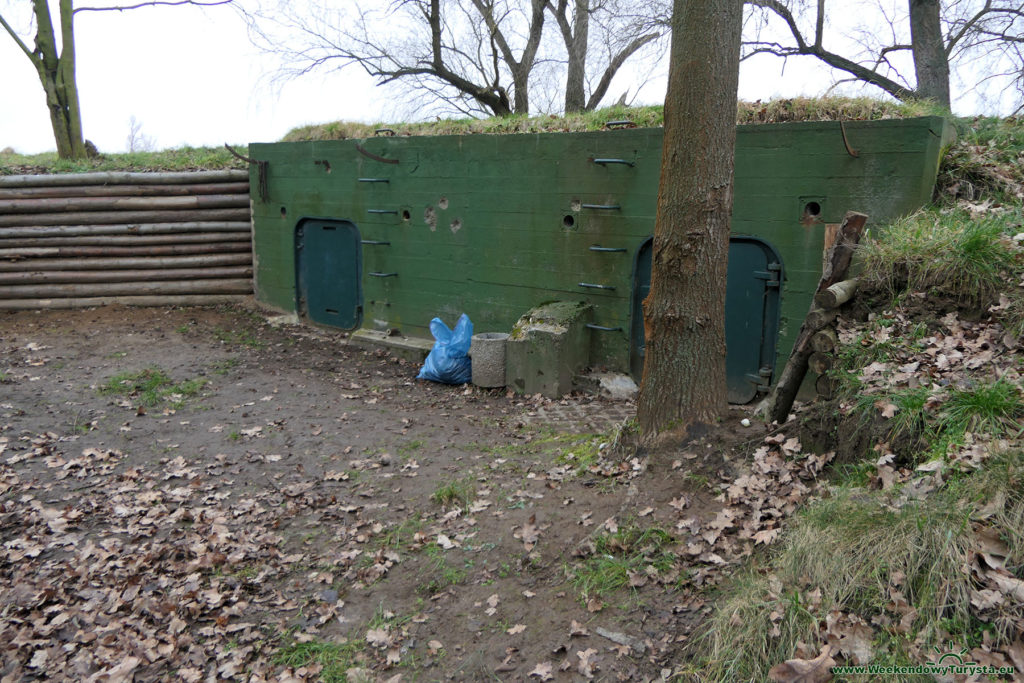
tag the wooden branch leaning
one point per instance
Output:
(836, 265)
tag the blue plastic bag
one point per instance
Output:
(448, 361)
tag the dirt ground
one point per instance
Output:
(286, 506)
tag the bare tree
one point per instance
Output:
(930, 35)
(54, 60)
(684, 315)
(476, 57)
(618, 29)
(137, 141)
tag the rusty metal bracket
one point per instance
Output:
(261, 172)
(849, 150)
(371, 155)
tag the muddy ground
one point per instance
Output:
(285, 506)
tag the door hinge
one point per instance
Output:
(762, 380)
(770, 276)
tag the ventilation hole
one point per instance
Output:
(812, 209)
(568, 221)
(284, 212)
(406, 215)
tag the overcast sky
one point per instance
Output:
(190, 76)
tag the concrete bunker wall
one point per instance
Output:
(495, 225)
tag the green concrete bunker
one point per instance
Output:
(380, 235)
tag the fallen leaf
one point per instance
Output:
(543, 671)
(378, 637)
(817, 670)
(585, 666)
(529, 533)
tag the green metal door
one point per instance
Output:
(751, 314)
(329, 266)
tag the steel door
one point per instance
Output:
(329, 269)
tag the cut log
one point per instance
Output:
(836, 295)
(124, 240)
(818, 318)
(125, 262)
(826, 386)
(119, 217)
(92, 302)
(126, 229)
(839, 257)
(163, 250)
(70, 204)
(243, 286)
(820, 363)
(124, 178)
(34, 277)
(124, 190)
(825, 341)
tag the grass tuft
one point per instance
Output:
(940, 252)
(152, 386)
(995, 408)
(335, 658)
(454, 494)
(619, 556)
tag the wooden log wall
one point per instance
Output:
(148, 239)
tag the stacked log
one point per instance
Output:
(150, 239)
(833, 290)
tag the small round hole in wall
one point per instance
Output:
(569, 221)
(284, 212)
(812, 209)
(406, 215)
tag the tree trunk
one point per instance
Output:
(931, 64)
(56, 72)
(684, 314)
(576, 45)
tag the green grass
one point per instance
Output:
(152, 386)
(400, 536)
(854, 547)
(941, 252)
(617, 555)
(223, 367)
(335, 658)
(774, 111)
(237, 338)
(182, 159)
(454, 493)
(993, 408)
(985, 163)
(440, 573)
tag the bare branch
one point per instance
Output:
(17, 39)
(155, 3)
